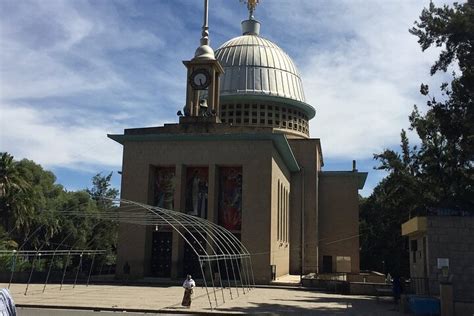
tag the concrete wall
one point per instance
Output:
(453, 238)
(339, 217)
(255, 157)
(280, 250)
(304, 195)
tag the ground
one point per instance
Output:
(137, 300)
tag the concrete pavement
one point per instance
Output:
(137, 300)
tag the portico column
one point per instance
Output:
(179, 206)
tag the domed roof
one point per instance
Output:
(255, 66)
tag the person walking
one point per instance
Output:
(188, 291)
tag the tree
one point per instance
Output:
(439, 172)
(15, 198)
(446, 131)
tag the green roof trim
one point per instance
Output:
(279, 141)
(361, 176)
(308, 109)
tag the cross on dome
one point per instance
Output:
(251, 5)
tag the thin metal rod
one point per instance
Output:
(38, 254)
(13, 268)
(31, 272)
(23, 244)
(235, 278)
(52, 261)
(79, 266)
(220, 280)
(240, 276)
(251, 268)
(212, 281)
(228, 279)
(64, 272)
(248, 275)
(205, 283)
(90, 272)
(102, 265)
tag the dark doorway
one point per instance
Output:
(327, 264)
(161, 254)
(190, 259)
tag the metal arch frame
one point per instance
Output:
(220, 245)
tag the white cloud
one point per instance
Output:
(71, 71)
(361, 70)
(32, 135)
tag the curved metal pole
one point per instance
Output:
(52, 260)
(65, 268)
(251, 268)
(90, 272)
(33, 265)
(212, 281)
(79, 266)
(22, 245)
(205, 284)
(209, 234)
(216, 227)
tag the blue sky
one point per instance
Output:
(73, 71)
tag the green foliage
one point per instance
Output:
(37, 213)
(438, 173)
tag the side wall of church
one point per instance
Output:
(280, 216)
(304, 195)
(338, 222)
(255, 158)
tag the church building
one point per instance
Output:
(241, 156)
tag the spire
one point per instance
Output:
(251, 26)
(251, 5)
(205, 51)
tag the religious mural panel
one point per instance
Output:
(165, 181)
(230, 198)
(197, 185)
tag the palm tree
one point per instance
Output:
(15, 199)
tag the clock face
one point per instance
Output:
(200, 79)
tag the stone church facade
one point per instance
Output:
(241, 156)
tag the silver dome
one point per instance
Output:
(255, 66)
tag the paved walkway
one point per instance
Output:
(167, 299)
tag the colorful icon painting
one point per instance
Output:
(165, 181)
(230, 198)
(196, 191)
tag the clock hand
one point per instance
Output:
(200, 81)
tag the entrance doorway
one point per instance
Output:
(161, 254)
(190, 260)
(327, 264)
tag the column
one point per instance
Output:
(179, 206)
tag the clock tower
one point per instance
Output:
(202, 89)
